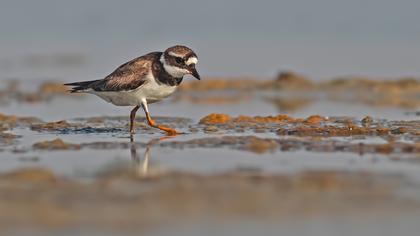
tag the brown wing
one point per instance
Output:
(128, 76)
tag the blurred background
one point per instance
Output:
(82, 40)
(329, 143)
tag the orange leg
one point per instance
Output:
(168, 130)
(132, 118)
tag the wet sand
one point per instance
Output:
(286, 155)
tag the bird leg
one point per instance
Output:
(132, 118)
(168, 130)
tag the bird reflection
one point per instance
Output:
(141, 165)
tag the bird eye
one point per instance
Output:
(179, 60)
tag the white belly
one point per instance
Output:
(150, 91)
(154, 92)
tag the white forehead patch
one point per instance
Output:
(191, 60)
(175, 54)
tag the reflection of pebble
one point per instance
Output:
(260, 130)
(193, 130)
(56, 144)
(367, 121)
(210, 128)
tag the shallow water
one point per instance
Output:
(301, 175)
(340, 176)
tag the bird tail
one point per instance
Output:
(80, 86)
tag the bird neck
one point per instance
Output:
(161, 74)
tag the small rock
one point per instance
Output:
(367, 121)
(56, 144)
(382, 131)
(62, 124)
(211, 128)
(315, 119)
(215, 118)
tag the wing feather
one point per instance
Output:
(128, 76)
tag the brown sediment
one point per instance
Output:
(261, 146)
(56, 144)
(314, 119)
(215, 118)
(314, 130)
(10, 121)
(29, 176)
(384, 148)
(31, 98)
(382, 131)
(289, 104)
(210, 129)
(7, 138)
(284, 80)
(265, 119)
(211, 100)
(8, 118)
(96, 120)
(400, 130)
(223, 84)
(365, 83)
(125, 201)
(402, 92)
(51, 88)
(292, 80)
(311, 126)
(7, 122)
(4, 126)
(224, 118)
(314, 125)
(367, 121)
(328, 130)
(44, 92)
(51, 125)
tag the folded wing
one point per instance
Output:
(128, 76)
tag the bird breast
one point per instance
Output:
(154, 92)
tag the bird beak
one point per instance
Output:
(194, 72)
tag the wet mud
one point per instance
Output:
(399, 92)
(124, 201)
(278, 158)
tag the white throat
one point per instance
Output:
(173, 70)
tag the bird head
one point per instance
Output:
(179, 61)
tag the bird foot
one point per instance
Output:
(169, 131)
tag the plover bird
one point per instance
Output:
(143, 80)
